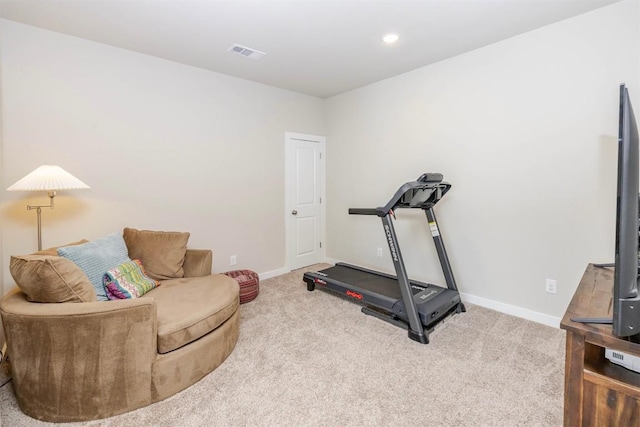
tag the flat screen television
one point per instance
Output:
(626, 301)
(625, 298)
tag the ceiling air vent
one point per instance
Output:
(246, 51)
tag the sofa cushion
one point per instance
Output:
(189, 308)
(96, 257)
(46, 278)
(161, 252)
(128, 280)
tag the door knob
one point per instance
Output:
(294, 212)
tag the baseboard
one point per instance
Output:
(284, 270)
(273, 273)
(512, 310)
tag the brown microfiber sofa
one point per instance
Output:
(80, 359)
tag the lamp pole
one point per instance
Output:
(38, 208)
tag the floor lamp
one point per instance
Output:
(50, 179)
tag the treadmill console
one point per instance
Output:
(417, 197)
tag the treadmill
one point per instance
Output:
(415, 306)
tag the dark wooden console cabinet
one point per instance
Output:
(596, 391)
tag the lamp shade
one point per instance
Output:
(48, 178)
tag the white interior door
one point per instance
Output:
(304, 208)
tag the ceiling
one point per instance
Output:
(316, 47)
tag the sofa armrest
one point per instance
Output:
(198, 262)
(76, 361)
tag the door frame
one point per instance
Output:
(288, 138)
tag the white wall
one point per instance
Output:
(163, 146)
(525, 130)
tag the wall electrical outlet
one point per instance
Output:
(233, 260)
(551, 286)
(379, 252)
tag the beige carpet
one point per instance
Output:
(312, 359)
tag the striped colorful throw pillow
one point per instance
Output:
(128, 280)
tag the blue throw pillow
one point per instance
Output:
(97, 257)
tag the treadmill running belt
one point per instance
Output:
(362, 279)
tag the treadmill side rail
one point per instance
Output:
(440, 249)
(416, 331)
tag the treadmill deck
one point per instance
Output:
(382, 291)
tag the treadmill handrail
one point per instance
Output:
(363, 211)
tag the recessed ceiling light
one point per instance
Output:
(390, 38)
